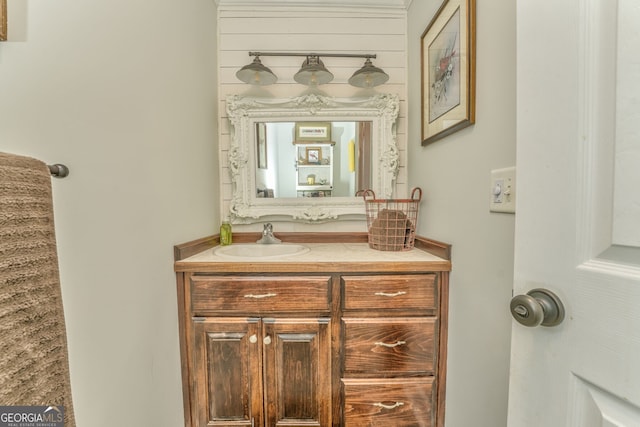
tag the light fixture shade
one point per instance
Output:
(368, 76)
(256, 74)
(313, 72)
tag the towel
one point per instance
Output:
(391, 231)
(34, 364)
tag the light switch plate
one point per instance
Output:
(503, 190)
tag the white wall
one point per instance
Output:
(454, 175)
(295, 28)
(124, 93)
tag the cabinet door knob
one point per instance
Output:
(253, 339)
(267, 340)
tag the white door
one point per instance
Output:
(578, 212)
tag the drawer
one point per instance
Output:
(412, 291)
(390, 346)
(399, 403)
(259, 294)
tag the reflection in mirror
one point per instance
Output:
(304, 158)
(283, 167)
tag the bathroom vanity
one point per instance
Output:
(336, 335)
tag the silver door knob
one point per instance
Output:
(537, 307)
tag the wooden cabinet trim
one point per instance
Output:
(185, 250)
(442, 349)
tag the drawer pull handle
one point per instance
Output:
(386, 294)
(269, 295)
(394, 406)
(395, 344)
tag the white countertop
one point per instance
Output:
(323, 252)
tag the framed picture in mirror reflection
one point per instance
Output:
(261, 148)
(313, 131)
(314, 154)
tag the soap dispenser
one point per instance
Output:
(226, 236)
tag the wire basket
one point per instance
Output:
(392, 223)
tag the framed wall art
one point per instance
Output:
(3, 20)
(448, 70)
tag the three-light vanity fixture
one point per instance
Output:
(313, 71)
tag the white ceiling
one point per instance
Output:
(395, 4)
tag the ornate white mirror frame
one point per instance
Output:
(245, 112)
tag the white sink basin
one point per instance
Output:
(257, 250)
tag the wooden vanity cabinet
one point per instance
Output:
(322, 344)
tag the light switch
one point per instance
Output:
(503, 190)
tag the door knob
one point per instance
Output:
(538, 307)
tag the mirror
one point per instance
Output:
(288, 165)
(303, 159)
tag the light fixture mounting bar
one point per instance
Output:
(326, 55)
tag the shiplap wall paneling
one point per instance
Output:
(310, 30)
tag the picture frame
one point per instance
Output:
(3, 20)
(313, 131)
(448, 63)
(261, 145)
(314, 155)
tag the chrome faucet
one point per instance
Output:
(267, 235)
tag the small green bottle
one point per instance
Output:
(225, 233)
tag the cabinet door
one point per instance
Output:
(227, 374)
(297, 358)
